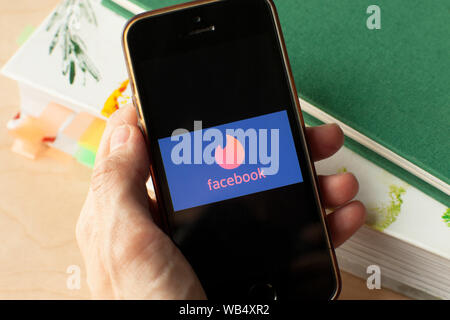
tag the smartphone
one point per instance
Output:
(234, 182)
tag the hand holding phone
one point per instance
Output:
(251, 225)
(122, 262)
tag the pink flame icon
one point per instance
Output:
(232, 156)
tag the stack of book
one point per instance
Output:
(387, 88)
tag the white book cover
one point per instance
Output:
(74, 57)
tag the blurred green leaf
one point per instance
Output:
(68, 14)
(72, 72)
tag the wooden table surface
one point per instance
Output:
(40, 200)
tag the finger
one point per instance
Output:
(345, 221)
(324, 140)
(125, 115)
(338, 189)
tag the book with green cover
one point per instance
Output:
(387, 87)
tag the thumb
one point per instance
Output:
(126, 254)
(119, 137)
(120, 175)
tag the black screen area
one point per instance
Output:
(235, 72)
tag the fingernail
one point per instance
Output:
(119, 137)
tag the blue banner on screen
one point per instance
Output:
(231, 160)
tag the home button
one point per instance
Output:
(262, 292)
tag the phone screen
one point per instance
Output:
(225, 142)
